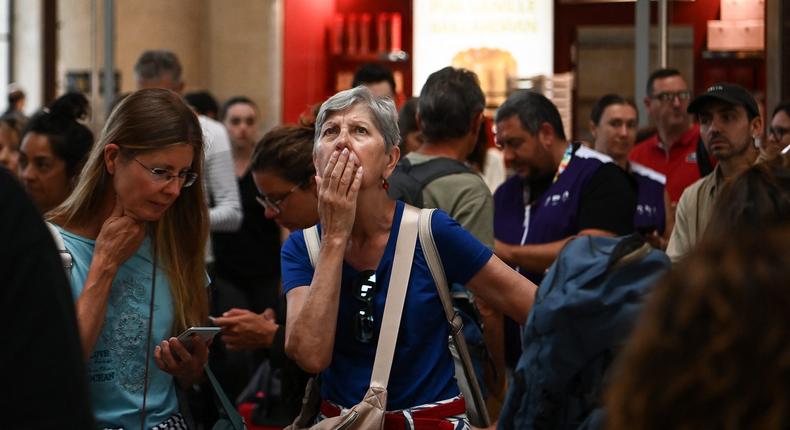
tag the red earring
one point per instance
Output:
(385, 184)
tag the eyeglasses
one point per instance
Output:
(364, 291)
(778, 132)
(163, 176)
(669, 96)
(274, 205)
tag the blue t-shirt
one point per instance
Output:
(116, 366)
(422, 371)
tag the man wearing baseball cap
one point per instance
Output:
(729, 122)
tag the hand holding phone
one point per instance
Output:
(185, 359)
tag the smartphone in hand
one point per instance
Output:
(193, 334)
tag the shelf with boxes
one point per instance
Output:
(356, 38)
(741, 28)
(736, 46)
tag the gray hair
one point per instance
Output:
(385, 114)
(154, 64)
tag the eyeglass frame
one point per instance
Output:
(669, 96)
(158, 175)
(363, 319)
(274, 205)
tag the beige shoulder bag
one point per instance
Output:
(369, 413)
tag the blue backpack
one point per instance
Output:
(584, 309)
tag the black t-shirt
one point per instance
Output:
(253, 252)
(43, 384)
(608, 201)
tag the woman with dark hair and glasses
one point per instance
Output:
(135, 227)
(282, 165)
(778, 136)
(335, 309)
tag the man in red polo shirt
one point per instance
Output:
(672, 150)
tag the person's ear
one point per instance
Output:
(394, 156)
(756, 127)
(112, 154)
(647, 100)
(546, 135)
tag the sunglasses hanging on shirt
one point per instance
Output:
(364, 291)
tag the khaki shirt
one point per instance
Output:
(465, 196)
(693, 212)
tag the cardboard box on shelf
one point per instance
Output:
(742, 9)
(740, 35)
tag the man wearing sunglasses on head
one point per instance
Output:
(672, 150)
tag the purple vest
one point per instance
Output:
(650, 211)
(552, 216)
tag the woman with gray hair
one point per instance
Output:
(335, 309)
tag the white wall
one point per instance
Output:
(5, 9)
(28, 51)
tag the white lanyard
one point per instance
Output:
(527, 211)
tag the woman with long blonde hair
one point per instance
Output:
(136, 228)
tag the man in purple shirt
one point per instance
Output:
(560, 190)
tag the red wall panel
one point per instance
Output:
(304, 55)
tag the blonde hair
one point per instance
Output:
(149, 120)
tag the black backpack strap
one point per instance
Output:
(408, 180)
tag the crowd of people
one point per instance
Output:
(179, 214)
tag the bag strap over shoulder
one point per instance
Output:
(65, 255)
(232, 416)
(427, 172)
(408, 180)
(435, 264)
(465, 374)
(396, 296)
